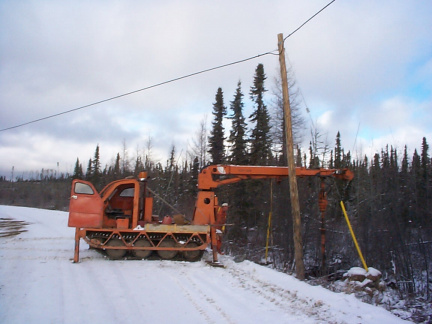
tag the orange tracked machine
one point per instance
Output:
(120, 219)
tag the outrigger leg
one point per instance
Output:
(77, 243)
(215, 262)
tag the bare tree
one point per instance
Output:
(126, 163)
(148, 161)
(318, 146)
(278, 123)
(199, 144)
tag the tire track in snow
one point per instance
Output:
(227, 292)
(79, 295)
(192, 300)
(191, 289)
(103, 290)
(32, 239)
(282, 298)
(123, 287)
(37, 252)
(73, 289)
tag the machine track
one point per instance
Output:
(177, 245)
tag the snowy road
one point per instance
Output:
(39, 284)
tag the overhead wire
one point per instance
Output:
(301, 92)
(166, 82)
(296, 30)
(135, 91)
(312, 17)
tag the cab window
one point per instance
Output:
(82, 188)
(128, 192)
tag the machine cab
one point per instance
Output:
(116, 206)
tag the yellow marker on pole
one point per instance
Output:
(353, 236)
(268, 236)
(269, 220)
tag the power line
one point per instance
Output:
(135, 91)
(166, 82)
(312, 17)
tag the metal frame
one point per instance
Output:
(155, 237)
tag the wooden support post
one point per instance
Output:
(295, 206)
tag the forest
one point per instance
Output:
(389, 202)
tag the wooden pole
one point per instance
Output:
(295, 206)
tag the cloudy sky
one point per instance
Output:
(364, 68)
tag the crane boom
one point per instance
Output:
(215, 176)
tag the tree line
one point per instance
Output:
(388, 202)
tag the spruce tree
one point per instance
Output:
(338, 152)
(78, 172)
(139, 166)
(405, 188)
(424, 190)
(89, 171)
(298, 157)
(424, 159)
(216, 138)
(238, 149)
(96, 174)
(237, 194)
(404, 169)
(116, 170)
(260, 139)
(416, 167)
(194, 177)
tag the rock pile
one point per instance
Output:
(358, 279)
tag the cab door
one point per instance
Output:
(86, 206)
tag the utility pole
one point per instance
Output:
(295, 206)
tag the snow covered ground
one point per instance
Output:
(40, 284)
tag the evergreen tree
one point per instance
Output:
(237, 194)
(89, 172)
(260, 138)
(424, 190)
(78, 171)
(168, 184)
(172, 159)
(416, 166)
(298, 157)
(193, 183)
(96, 173)
(331, 162)
(424, 161)
(314, 161)
(139, 166)
(404, 169)
(338, 152)
(405, 188)
(216, 138)
(116, 170)
(238, 149)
